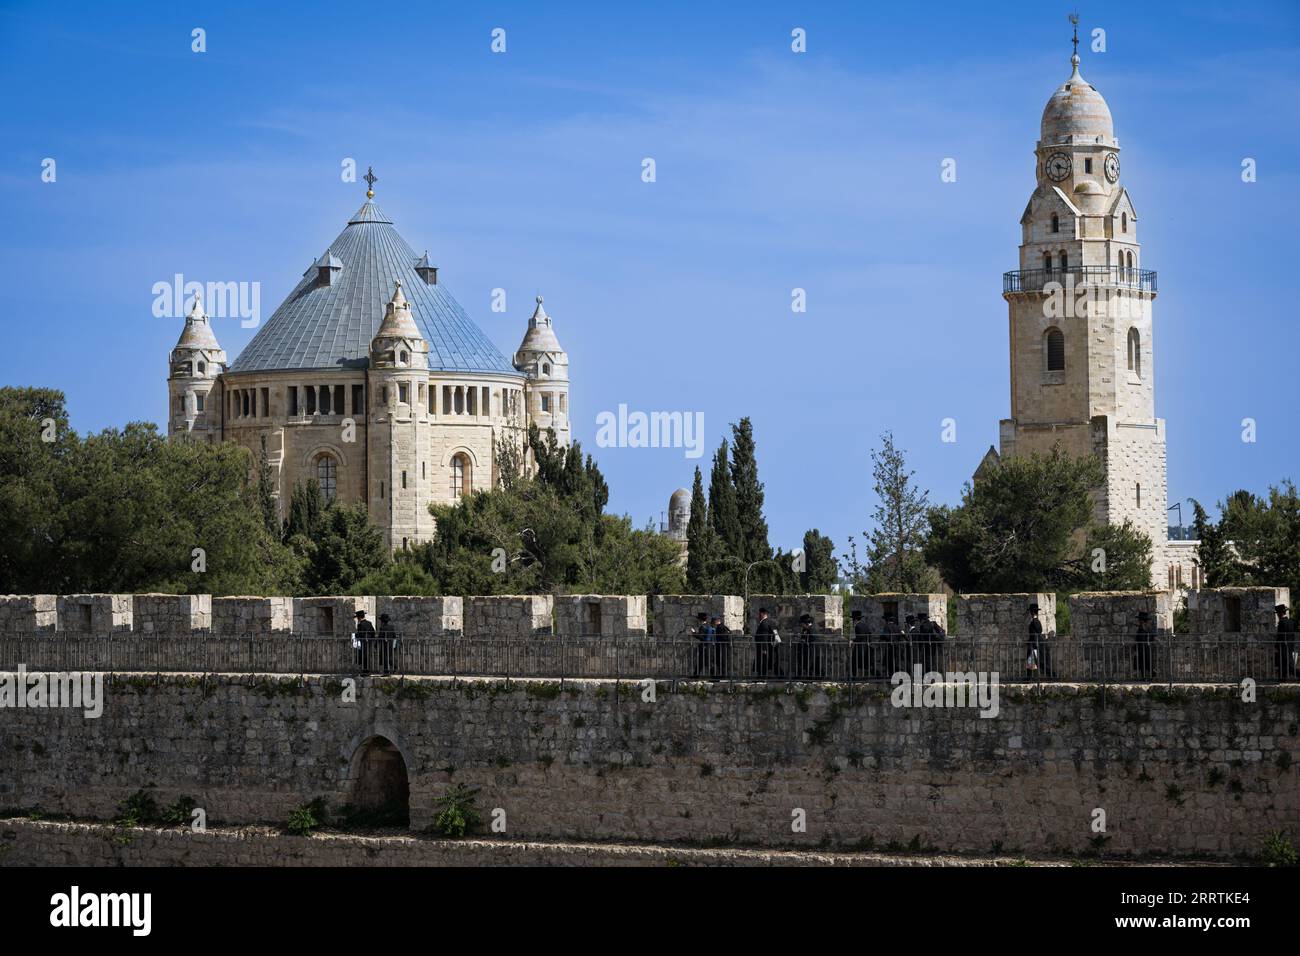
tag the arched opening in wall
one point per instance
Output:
(460, 475)
(1123, 222)
(203, 367)
(381, 792)
(1137, 494)
(327, 472)
(1135, 352)
(1047, 262)
(1130, 260)
(1065, 261)
(1056, 223)
(1054, 342)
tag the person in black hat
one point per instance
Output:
(1284, 651)
(932, 634)
(766, 640)
(703, 635)
(891, 646)
(911, 652)
(860, 663)
(1036, 663)
(721, 648)
(807, 651)
(363, 640)
(1142, 647)
(387, 641)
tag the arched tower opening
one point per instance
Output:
(380, 793)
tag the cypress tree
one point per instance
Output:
(724, 519)
(753, 544)
(699, 541)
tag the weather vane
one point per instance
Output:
(1074, 19)
(370, 179)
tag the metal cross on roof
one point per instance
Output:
(1074, 19)
(370, 179)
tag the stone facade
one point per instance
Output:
(1225, 611)
(500, 617)
(1114, 614)
(597, 615)
(95, 613)
(423, 616)
(29, 613)
(1002, 617)
(875, 606)
(162, 614)
(1193, 770)
(252, 616)
(675, 614)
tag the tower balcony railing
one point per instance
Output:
(1034, 280)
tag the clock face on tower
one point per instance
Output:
(1112, 167)
(1058, 166)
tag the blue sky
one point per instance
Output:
(774, 171)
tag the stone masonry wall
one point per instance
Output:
(423, 616)
(1192, 770)
(873, 607)
(826, 610)
(1210, 611)
(596, 615)
(29, 613)
(674, 614)
(1002, 617)
(94, 613)
(247, 616)
(1114, 614)
(171, 613)
(506, 616)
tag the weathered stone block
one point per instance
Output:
(94, 613)
(1002, 617)
(330, 616)
(512, 615)
(162, 614)
(1212, 612)
(29, 613)
(246, 616)
(1096, 615)
(600, 615)
(875, 606)
(415, 616)
(675, 614)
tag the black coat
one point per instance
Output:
(365, 629)
(765, 631)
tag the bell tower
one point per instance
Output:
(1079, 311)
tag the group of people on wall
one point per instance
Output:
(879, 653)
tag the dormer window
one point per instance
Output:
(426, 271)
(327, 268)
(402, 358)
(546, 369)
(203, 367)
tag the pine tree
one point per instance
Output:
(753, 545)
(895, 558)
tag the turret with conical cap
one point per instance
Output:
(546, 365)
(196, 364)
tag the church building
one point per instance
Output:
(371, 380)
(1081, 330)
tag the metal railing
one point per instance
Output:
(1118, 659)
(1033, 280)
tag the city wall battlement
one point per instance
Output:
(1210, 613)
(1192, 770)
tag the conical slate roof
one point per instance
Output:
(330, 325)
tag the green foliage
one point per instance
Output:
(1253, 544)
(1015, 529)
(123, 511)
(896, 558)
(1125, 563)
(306, 818)
(457, 814)
(701, 542)
(724, 513)
(403, 575)
(545, 533)
(345, 547)
(179, 813)
(753, 544)
(1278, 851)
(138, 810)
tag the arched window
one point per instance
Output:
(402, 357)
(203, 367)
(1135, 352)
(1130, 260)
(1065, 262)
(1139, 494)
(1047, 262)
(1055, 347)
(546, 369)
(327, 471)
(460, 476)
(1123, 222)
(1056, 223)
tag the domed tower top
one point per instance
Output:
(1076, 112)
(540, 354)
(399, 343)
(679, 513)
(197, 348)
